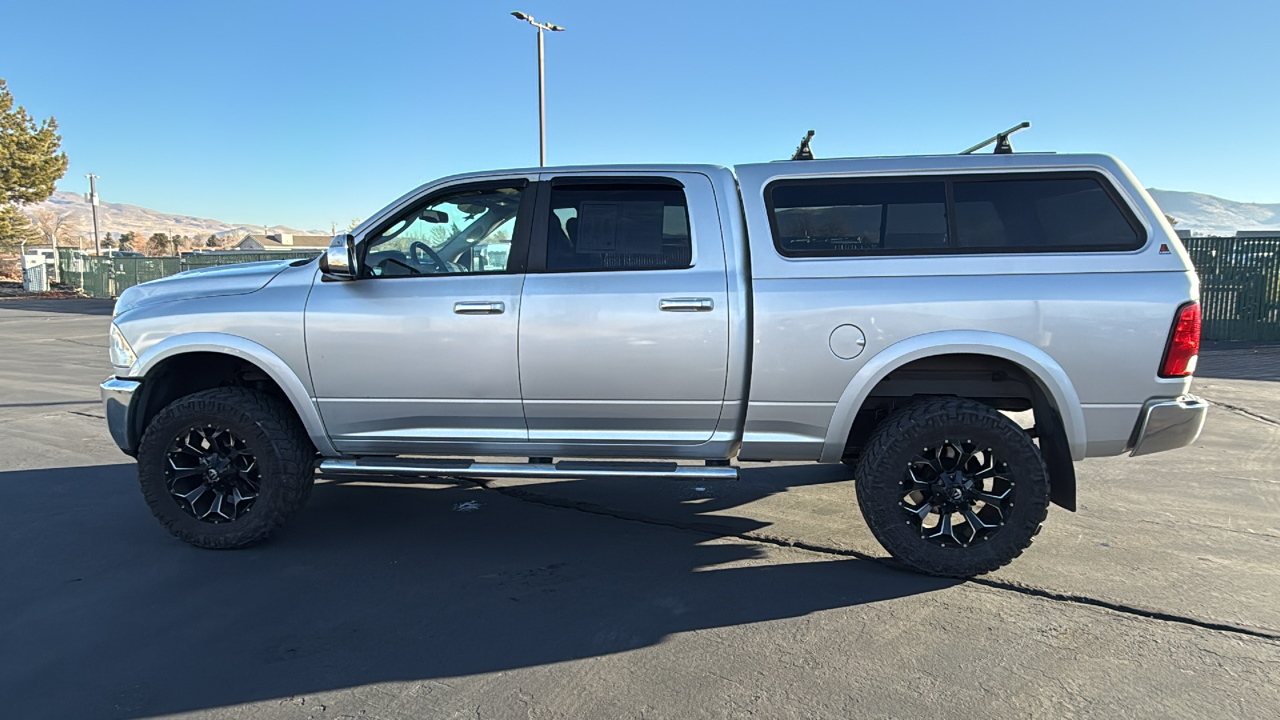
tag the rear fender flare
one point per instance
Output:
(1042, 368)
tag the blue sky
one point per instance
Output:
(302, 113)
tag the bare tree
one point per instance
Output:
(55, 226)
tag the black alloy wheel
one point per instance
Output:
(957, 493)
(212, 474)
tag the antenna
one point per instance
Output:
(803, 152)
(1000, 139)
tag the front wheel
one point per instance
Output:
(952, 487)
(225, 468)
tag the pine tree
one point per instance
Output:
(158, 244)
(30, 165)
(16, 228)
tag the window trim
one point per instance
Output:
(517, 260)
(537, 257)
(950, 180)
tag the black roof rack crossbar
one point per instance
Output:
(1000, 139)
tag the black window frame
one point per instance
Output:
(542, 218)
(950, 180)
(517, 260)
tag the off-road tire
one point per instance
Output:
(900, 436)
(274, 435)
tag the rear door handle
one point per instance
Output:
(685, 304)
(479, 307)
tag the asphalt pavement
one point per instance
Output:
(764, 597)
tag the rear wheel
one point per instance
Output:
(952, 487)
(225, 468)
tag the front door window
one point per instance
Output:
(466, 232)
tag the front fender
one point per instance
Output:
(294, 387)
(1043, 368)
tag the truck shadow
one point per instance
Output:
(72, 306)
(1239, 361)
(373, 583)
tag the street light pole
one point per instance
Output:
(542, 107)
(542, 97)
(93, 206)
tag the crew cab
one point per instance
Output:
(895, 314)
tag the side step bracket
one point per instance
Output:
(562, 469)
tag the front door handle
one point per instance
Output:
(479, 307)
(685, 304)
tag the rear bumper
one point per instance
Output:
(117, 394)
(1169, 423)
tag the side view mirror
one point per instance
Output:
(339, 259)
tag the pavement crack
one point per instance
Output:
(1006, 585)
(1246, 412)
(95, 346)
(1125, 608)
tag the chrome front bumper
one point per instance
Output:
(1167, 424)
(116, 396)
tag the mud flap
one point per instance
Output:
(1055, 451)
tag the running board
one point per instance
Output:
(562, 469)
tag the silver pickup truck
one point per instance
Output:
(894, 314)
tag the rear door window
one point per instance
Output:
(604, 227)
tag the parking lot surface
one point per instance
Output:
(764, 597)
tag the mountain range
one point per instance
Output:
(1201, 214)
(1208, 215)
(119, 218)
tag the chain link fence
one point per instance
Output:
(107, 277)
(1239, 287)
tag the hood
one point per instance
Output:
(238, 279)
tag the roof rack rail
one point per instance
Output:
(1000, 139)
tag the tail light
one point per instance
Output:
(1184, 343)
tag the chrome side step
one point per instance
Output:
(562, 469)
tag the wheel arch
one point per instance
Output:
(1047, 374)
(292, 387)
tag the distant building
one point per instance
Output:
(1257, 233)
(283, 241)
(1184, 234)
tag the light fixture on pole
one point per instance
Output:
(542, 97)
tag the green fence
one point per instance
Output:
(1239, 287)
(127, 272)
(105, 277)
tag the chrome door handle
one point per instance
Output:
(479, 307)
(685, 304)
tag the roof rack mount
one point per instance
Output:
(1000, 139)
(803, 152)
